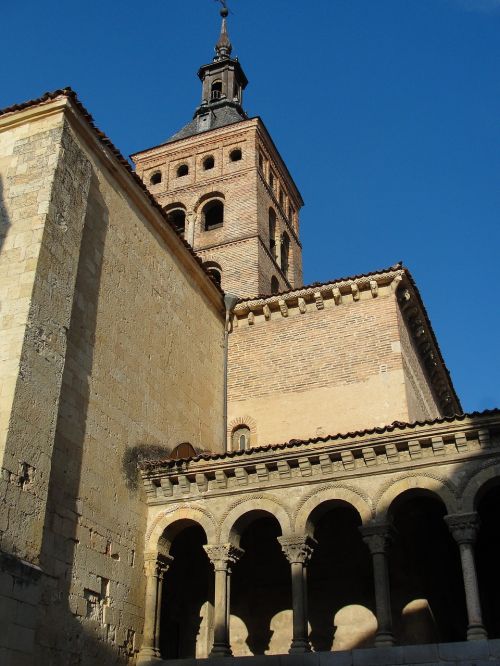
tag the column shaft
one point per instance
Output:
(464, 528)
(377, 538)
(155, 566)
(298, 551)
(222, 557)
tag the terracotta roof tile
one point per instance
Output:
(392, 427)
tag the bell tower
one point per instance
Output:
(225, 187)
(223, 80)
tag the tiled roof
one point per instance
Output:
(226, 115)
(312, 285)
(69, 93)
(393, 427)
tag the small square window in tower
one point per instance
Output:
(155, 178)
(235, 155)
(208, 163)
(213, 214)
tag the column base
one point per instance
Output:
(476, 632)
(148, 655)
(299, 647)
(221, 651)
(384, 639)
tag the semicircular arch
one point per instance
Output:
(157, 535)
(474, 485)
(443, 489)
(342, 494)
(207, 197)
(265, 504)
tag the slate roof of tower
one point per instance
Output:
(225, 115)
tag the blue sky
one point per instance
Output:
(386, 112)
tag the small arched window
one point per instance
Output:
(177, 217)
(275, 285)
(155, 178)
(241, 438)
(235, 155)
(213, 214)
(215, 271)
(216, 90)
(183, 170)
(272, 233)
(208, 163)
(285, 253)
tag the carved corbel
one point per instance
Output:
(318, 298)
(267, 312)
(374, 288)
(355, 291)
(251, 318)
(283, 307)
(337, 296)
(395, 283)
(302, 305)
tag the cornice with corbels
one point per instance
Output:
(325, 460)
(340, 292)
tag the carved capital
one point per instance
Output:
(297, 549)
(223, 555)
(377, 537)
(463, 526)
(156, 565)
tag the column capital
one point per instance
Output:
(157, 565)
(377, 537)
(297, 548)
(463, 526)
(223, 555)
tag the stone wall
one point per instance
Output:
(122, 357)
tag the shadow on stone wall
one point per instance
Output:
(4, 220)
(65, 636)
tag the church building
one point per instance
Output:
(201, 457)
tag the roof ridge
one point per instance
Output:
(69, 93)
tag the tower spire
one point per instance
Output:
(223, 47)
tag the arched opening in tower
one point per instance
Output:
(213, 214)
(427, 589)
(340, 581)
(261, 615)
(187, 606)
(177, 218)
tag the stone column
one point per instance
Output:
(298, 551)
(378, 538)
(155, 567)
(464, 529)
(222, 557)
(190, 227)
